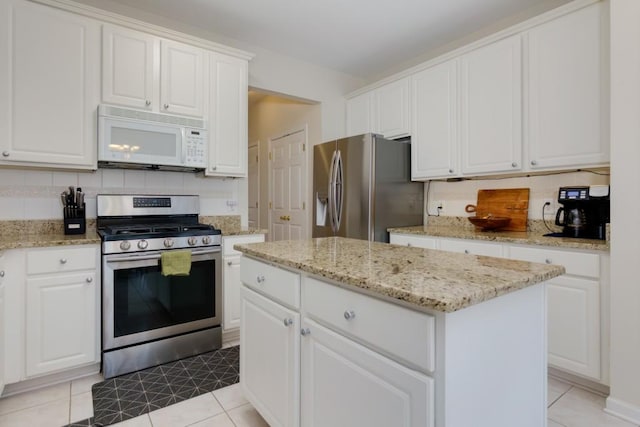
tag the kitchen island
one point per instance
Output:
(346, 332)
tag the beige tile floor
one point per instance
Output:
(58, 405)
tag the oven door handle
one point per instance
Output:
(155, 255)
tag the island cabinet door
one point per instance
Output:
(346, 384)
(270, 359)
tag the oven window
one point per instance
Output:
(144, 299)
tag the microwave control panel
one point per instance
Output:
(195, 146)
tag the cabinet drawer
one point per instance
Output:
(402, 333)
(417, 241)
(41, 261)
(228, 242)
(576, 263)
(276, 283)
(469, 247)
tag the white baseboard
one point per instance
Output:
(622, 409)
(52, 379)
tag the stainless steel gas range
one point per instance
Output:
(149, 318)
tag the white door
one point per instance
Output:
(288, 172)
(270, 359)
(181, 79)
(434, 128)
(346, 384)
(130, 68)
(61, 319)
(491, 108)
(567, 103)
(253, 174)
(49, 86)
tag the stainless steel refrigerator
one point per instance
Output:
(362, 186)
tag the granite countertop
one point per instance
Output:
(36, 240)
(243, 231)
(533, 237)
(428, 279)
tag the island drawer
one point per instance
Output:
(399, 332)
(41, 261)
(279, 284)
(575, 263)
(417, 241)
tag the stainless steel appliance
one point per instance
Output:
(362, 185)
(149, 318)
(585, 211)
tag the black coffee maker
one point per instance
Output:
(585, 211)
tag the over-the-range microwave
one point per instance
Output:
(143, 140)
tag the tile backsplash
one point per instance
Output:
(30, 194)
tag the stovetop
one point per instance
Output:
(150, 231)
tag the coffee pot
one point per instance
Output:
(585, 211)
(574, 220)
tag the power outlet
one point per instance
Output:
(437, 207)
(551, 208)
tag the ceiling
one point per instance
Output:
(362, 38)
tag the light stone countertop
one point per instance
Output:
(15, 241)
(243, 231)
(428, 279)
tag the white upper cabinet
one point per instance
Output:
(491, 108)
(384, 110)
(567, 105)
(434, 127)
(227, 116)
(130, 67)
(143, 71)
(49, 86)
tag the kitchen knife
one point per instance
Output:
(63, 198)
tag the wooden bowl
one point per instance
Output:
(489, 222)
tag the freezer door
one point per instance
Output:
(323, 160)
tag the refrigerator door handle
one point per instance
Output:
(332, 192)
(339, 193)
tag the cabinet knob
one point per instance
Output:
(214, 168)
(409, 245)
(229, 263)
(2, 273)
(260, 279)
(548, 261)
(166, 106)
(466, 251)
(63, 260)
(514, 165)
(450, 170)
(533, 162)
(305, 332)
(89, 279)
(349, 314)
(147, 102)
(288, 321)
(5, 153)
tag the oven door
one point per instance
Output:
(139, 304)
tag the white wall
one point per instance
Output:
(625, 205)
(28, 194)
(274, 116)
(457, 195)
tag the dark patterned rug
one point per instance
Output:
(128, 396)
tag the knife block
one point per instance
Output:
(75, 220)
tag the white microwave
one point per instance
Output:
(140, 139)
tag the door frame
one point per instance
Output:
(256, 144)
(305, 129)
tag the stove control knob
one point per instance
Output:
(206, 240)
(168, 243)
(192, 241)
(142, 244)
(125, 246)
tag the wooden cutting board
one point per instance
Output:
(508, 202)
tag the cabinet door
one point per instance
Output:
(434, 128)
(573, 310)
(61, 318)
(130, 68)
(181, 79)
(228, 116)
(346, 384)
(567, 105)
(391, 109)
(491, 96)
(360, 114)
(417, 241)
(3, 325)
(49, 86)
(231, 293)
(270, 359)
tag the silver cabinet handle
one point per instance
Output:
(63, 260)
(408, 245)
(514, 165)
(450, 170)
(533, 162)
(147, 102)
(214, 168)
(166, 106)
(260, 279)
(548, 261)
(305, 331)
(288, 321)
(349, 314)
(5, 153)
(229, 263)
(89, 279)
(2, 273)
(466, 251)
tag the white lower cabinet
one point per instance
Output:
(270, 359)
(3, 324)
(468, 247)
(417, 241)
(344, 383)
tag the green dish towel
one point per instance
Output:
(176, 263)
